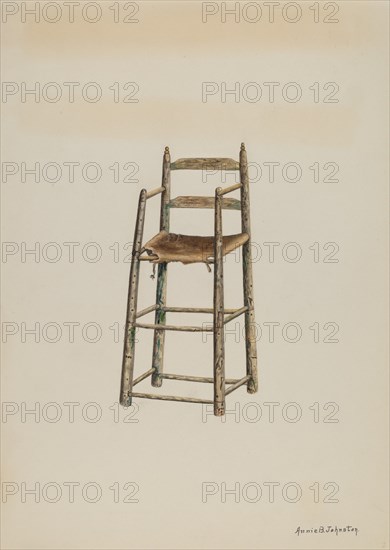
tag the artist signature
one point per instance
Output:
(333, 529)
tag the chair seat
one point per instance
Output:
(171, 247)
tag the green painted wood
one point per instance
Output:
(203, 202)
(205, 164)
(179, 328)
(161, 290)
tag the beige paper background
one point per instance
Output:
(169, 452)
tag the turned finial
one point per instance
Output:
(242, 146)
(166, 149)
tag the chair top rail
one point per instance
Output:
(205, 164)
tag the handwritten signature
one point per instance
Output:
(327, 529)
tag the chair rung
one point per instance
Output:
(196, 378)
(143, 376)
(146, 311)
(237, 385)
(237, 313)
(203, 202)
(173, 327)
(172, 398)
(195, 309)
(205, 164)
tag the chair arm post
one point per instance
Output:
(129, 340)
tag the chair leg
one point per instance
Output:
(129, 343)
(160, 318)
(161, 292)
(218, 325)
(250, 332)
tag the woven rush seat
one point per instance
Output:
(188, 249)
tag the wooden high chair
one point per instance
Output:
(168, 247)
